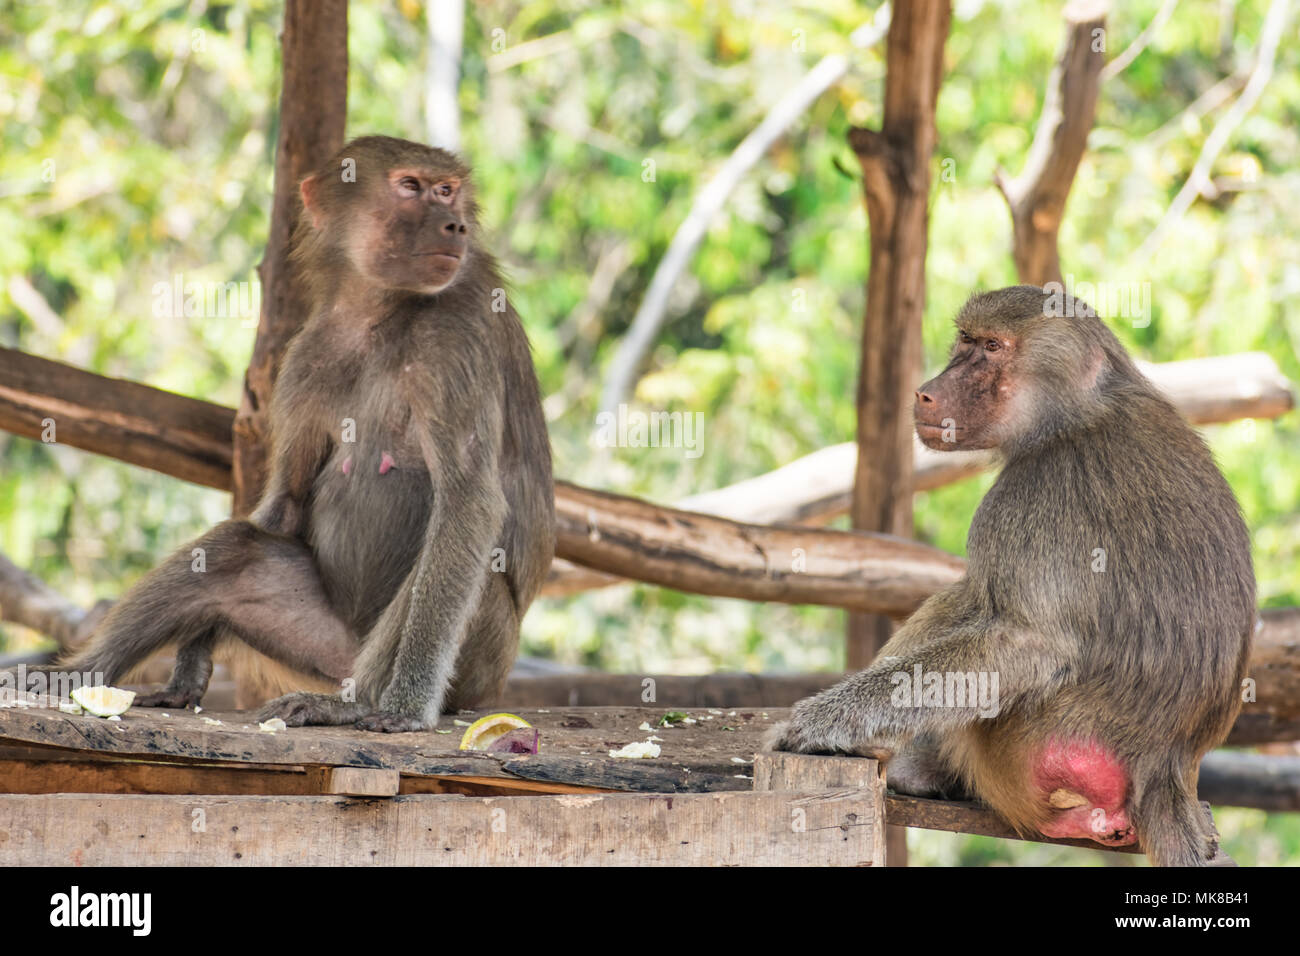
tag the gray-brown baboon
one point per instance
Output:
(1109, 592)
(409, 518)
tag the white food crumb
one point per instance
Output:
(272, 725)
(461, 723)
(742, 776)
(198, 709)
(69, 708)
(540, 711)
(653, 737)
(688, 720)
(115, 717)
(637, 750)
(442, 731)
(645, 725)
(715, 713)
(214, 723)
(739, 760)
(166, 715)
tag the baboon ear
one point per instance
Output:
(307, 188)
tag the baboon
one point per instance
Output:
(409, 519)
(1109, 590)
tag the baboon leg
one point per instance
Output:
(489, 649)
(263, 588)
(190, 675)
(1170, 825)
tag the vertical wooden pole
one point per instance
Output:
(896, 182)
(313, 112)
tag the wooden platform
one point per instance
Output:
(167, 788)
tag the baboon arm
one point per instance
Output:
(422, 633)
(925, 680)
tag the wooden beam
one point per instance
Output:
(706, 555)
(313, 110)
(1263, 781)
(895, 165)
(179, 436)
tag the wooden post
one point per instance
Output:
(313, 108)
(896, 181)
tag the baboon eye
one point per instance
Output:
(409, 184)
(966, 337)
(992, 345)
(444, 189)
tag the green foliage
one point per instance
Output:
(158, 118)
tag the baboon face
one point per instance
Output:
(414, 230)
(403, 219)
(968, 404)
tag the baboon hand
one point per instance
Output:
(813, 728)
(303, 710)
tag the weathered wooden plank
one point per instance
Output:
(787, 771)
(829, 828)
(713, 753)
(359, 781)
(107, 776)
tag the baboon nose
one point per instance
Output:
(923, 399)
(452, 228)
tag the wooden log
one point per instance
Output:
(895, 163)
(313, 110)
(1263, 781)
(706, 555)
(179, 436)
(28, 601)
(1274, 674)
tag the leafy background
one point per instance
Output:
(160, 120)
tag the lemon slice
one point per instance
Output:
(480, 734)
(103, 701)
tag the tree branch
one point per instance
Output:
(1117, 65)
(1199, 178)
(1038, 195)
